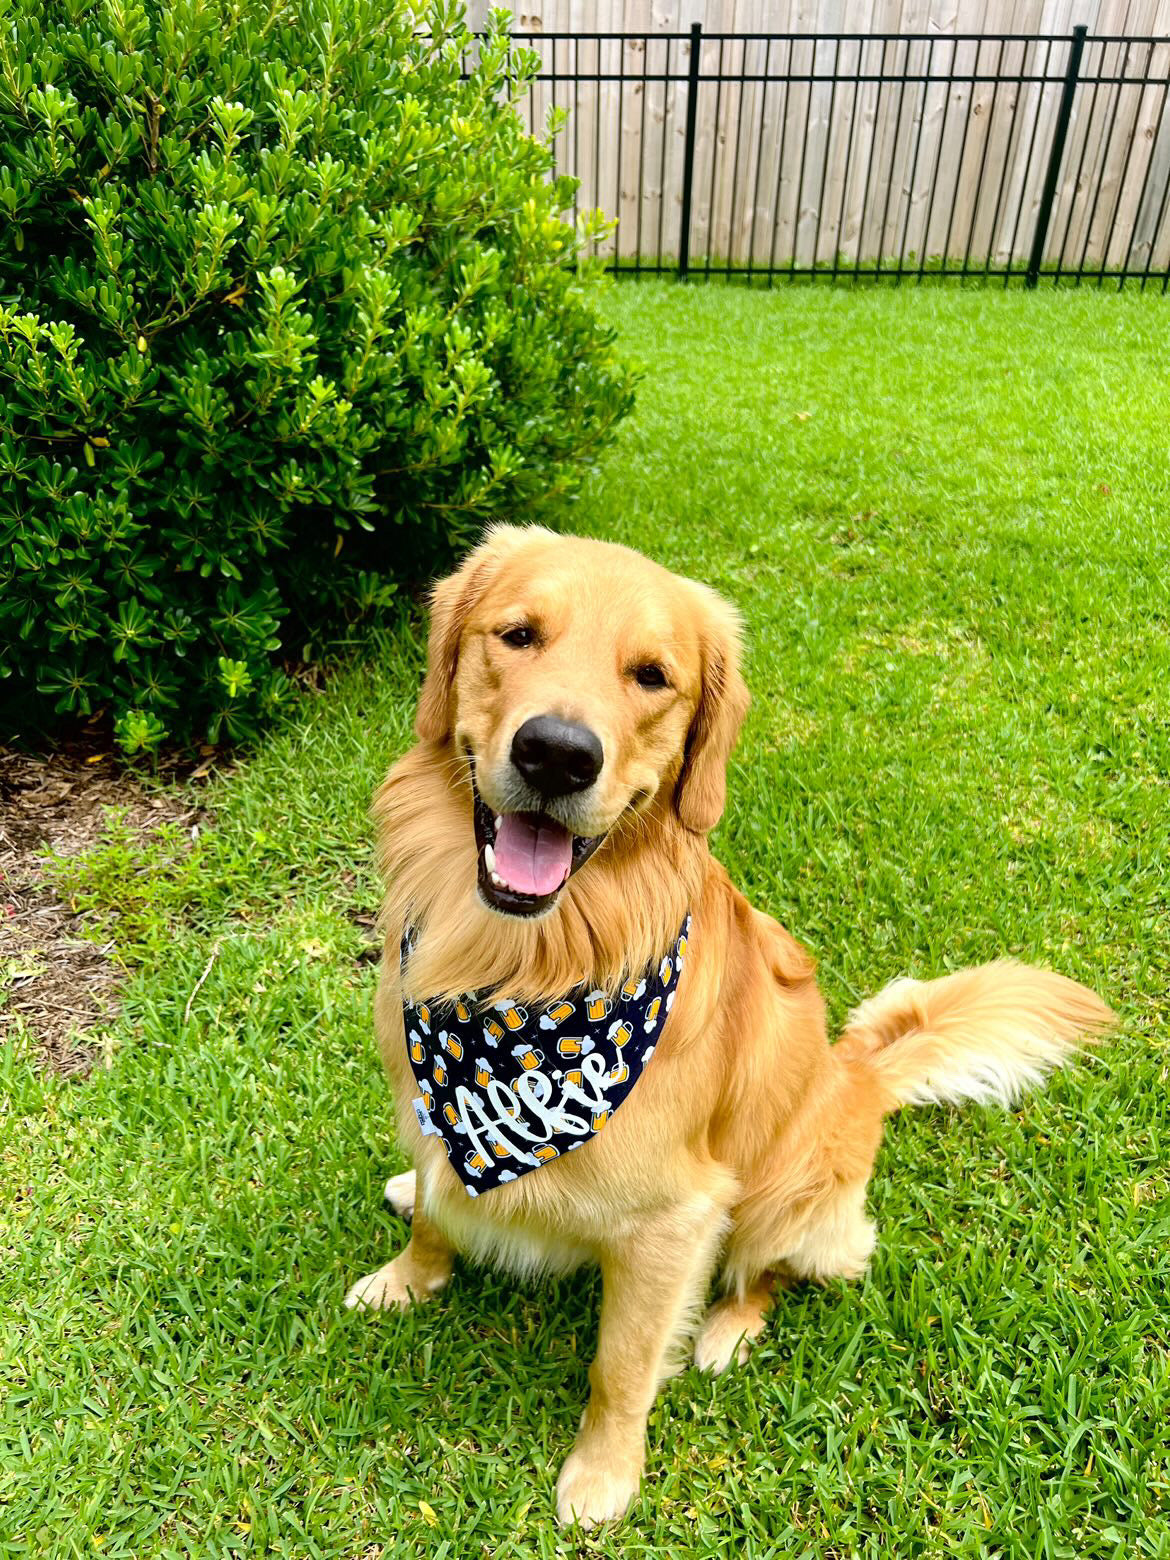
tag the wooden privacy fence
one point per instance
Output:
(867, 154)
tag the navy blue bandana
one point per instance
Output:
(509, 1089)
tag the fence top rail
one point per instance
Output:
(839, 37)
(826, 77)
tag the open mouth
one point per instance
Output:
(525, 858)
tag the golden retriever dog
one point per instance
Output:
(542, 845)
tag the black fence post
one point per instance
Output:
(684, 242)
(1056, 155)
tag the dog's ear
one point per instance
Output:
(452, 602)
(701, 790)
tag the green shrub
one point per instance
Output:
(288, 311)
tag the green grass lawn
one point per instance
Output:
(946, 518)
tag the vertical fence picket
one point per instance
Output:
(798, 206)
(1011, 150)
(776, 205)
(763, 136)
(1112, 121)
(1122, 176)
(1037, 119)
(840, 235)
(968, 112)
(667, 131)
(874, 142)
(932, 182)
(829, 124)
(1140, 207)
(923, 98)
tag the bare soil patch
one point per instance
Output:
(61, 986)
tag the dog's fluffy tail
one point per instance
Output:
(985, 1034)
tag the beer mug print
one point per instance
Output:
(570, 1063)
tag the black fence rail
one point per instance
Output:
(867, 155)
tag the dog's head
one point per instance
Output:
(586, 687)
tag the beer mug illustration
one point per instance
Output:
(428, 1098)
(417, 1049)
(475, 1161)
(597, 1005)
(493, 1031)
(500, 1149)
(619, 1072)
(665, 969)
(652, 1014)
(424, 1017)
(450, 1114)
(528, 1056)
(620, 1031)
(682, 947)
(483, 1072)
(451, 1045)
(462, 1011)
(513, 1016)
(573, 1045)
(440, 1071)
(576, 1077)
(544, 1153)
(557, 1014)
(600, 1117)
(634, 988)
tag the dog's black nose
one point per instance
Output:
(555, 756)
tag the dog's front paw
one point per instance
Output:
(731, 1327)
(385, 1290)
(400, 1193)
(725, 1339)
(592, 1490)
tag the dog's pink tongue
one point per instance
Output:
(533, 855)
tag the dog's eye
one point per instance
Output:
(650, 675)
(519, 637)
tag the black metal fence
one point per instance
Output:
(867, 156)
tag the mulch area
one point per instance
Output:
(60, 985)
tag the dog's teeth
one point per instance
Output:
(497, 880)
(489, 858)
(499, 821)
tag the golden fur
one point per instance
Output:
(748, 1143)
